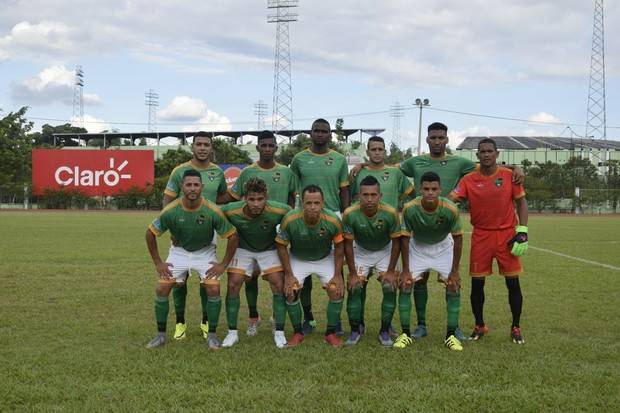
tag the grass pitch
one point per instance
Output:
(77, 309)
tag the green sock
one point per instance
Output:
(278, 306)
(354, 308)
(334, 308)
(251, 295)
(179, 296)
(294, 313)
(204, 303)
(387, 309)
(363, 304)
(161, 312)
(453, 306)
(420, 297)
(214, 306)
(404, 310)
(305, 295)
(232, 311)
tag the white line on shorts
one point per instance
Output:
(600, 264)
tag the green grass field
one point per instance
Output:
(77, 309)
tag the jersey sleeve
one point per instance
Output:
(460, 192)
(283, 236)
(395, 229)
(292, 184)
(517, 191)
(222, 187)
(467, 166)
(405, 230)
(236, 191)
(347, 227)
(159, 225)
(405, 188)
(406, 167)
(295, 166)
(457, 228)
(343, 175)
(173, 186)
(223, 227)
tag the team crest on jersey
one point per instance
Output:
(211, 176)
(380, 224)
(440, 220)
(276, 176)
(322, 231)
(329, 161)
(200, 219)
(386, 175)
(498, 182)
(264, 225)
(443, 163)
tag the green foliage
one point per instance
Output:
(356, 144)
(45, 137)
(339, 131)
(301, 142)
(133, 198)
(396, 155)
(169, 160)
(65, 198)
(226, 152)
(15, 150)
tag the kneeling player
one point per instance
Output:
(191, 221)
(311, 233)
(375, 227)
(432, 240)
(256, 220)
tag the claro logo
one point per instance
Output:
(75, 176)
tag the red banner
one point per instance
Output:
(92, 172)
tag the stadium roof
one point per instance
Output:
(537, 142)
(133, 136)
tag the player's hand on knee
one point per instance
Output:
(453, 283)
(352, 282)
(335, 288)
(406, 281)
(163, 270)
(291, 286)
(216, 270)
(389, 278)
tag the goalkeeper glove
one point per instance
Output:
(519, 241)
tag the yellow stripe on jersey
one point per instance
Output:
(449, 206)
(183, 165)
(344, 184)
(213, 207)
(350, 209)
(333, 220)
(154, 230)
(233, 195)
(171, 205)
(281, 241)
(229, 233)
(275, 210)
(170, 193)
(290, 218)
(238, 211)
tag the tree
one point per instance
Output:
(226, 152)
(15, 150)
(396, 155)
(340, 131)
(46, 138)
(169, 160)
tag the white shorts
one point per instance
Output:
(245, 262)
(366, 260)
(324, 268)
(426, 257)
(183, 262)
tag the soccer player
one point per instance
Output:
(191, 221)
(450, 169)
(281, 187)
(255, 219)
(432, 240)
(214, 186)
(316, 241)
(497, 233)
(371, 241)
(327, 169)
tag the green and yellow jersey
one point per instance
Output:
(328, 171)
(310, 243)
(450, 169)
(192, 228)
(280, 182)
(431, 227)
(212, 180)
(393, 183)
(371, 233)
(256, 234)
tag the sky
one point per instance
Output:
(211, 61)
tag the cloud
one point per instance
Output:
(93, 124)
(52, 84)
(195, 112)
(543, 117)
(50, 37)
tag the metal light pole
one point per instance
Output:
(420, 104)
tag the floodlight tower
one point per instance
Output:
(397, 111)
(282, 89)
(596, 125)
(152, 102)
(78, 98)
(260, 110)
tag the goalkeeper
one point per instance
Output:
(492, 199)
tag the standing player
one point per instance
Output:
(315, 236)
(281, 187)
(492, 197)
(255, 219)
(327, 169)
(214, 186)
(375, 228)
(191, 221)
(432, 240)
(450, 169)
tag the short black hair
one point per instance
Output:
(375, 139)
(312, 189)
(437, 126)
(488, 140)
(430, 177)
(321, 120)
(255, 185)
(202, 134)
(369, 181)
(266, 134)
(191, 172)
